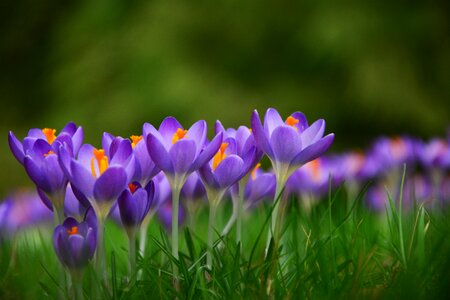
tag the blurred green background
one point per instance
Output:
(368, 68)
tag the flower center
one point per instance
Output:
(220, 155)
(253, 174)
(291, 121)
(49, 153)
(398, 147)
(133, 187)
(73, 230)
(135, 139)
(49, 134)
(102, 162)
(178, 135)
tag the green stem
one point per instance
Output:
(77, 283)
(274, 225)
(240, 210)
(175, 205)
(101, 251)
(211, 223)
(132, 251)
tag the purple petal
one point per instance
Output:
(55, 175)
(159, 154)
(122, 153)
(167, 129)
(107, 139)
(16, 147)
(207, 153)
(313, 133)
(286, 143)
(128, 209)
(36, 133)
(229, 171)
(70, 128)
(218, 127)
(110, 184)
(272, 120)
(313, 151)
(197, 133)
(302, 121)
(81, 179)
(64, 159)
(77, 140)
(36, 174)
(182, 155)
(208, 177)
(260, 135)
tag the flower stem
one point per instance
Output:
(273, 230)
(132, 252)
(175, 205)
(211, 223)
(77, 283)
(101, 251)
(240, 210)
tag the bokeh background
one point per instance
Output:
(368, 67)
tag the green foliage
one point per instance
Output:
(335, 249)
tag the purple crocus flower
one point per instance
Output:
(193, 189)
(289, 145)
(101, 175)
(260, 186)
(179, 152)
(435, 154)
(134, 204)
(38, 154)
(75, 243)
(21, 210)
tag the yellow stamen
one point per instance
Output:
(102, 162)
(73, 230)
(135, 139)
(291, 121)
(133, 187)
(49, 134)
(253, 174)
(178, 135)
(48, 153)
(220, 155)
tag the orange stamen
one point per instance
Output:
(48, 153)
(102, 162)
(49, 134)
(291, 121)
(253, 174)
(220, 155)
(398, 147)
(73, 230)
(135, 139)
(133, 187)
(178, 135)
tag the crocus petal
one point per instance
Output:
(77, 140)
(285, 143)
(249, 161)
(81, 179)
(262, 187)
(77, 250)
(110, 184)
(313, 133)
(70, 128)
(128, 209)
(91, 241)
(229, 171)
(55, 175)
(182, 155)
(122, 154)
(218, 127)
(35, 173)
(107, 139)
(167, 129)
(159, 154)
(272, 120)
(207, 176)
(302, 121)
(207, 153)
(64, 159)
(313, 151)
(197, 133)
(260, 135)
(16, 147)
(36, 133)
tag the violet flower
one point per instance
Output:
(75, 243)
(38, 154)
(289, 145)
(179, 152)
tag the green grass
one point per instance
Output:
(337, 249)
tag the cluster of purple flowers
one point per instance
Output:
(427, 173)
(132, 179)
